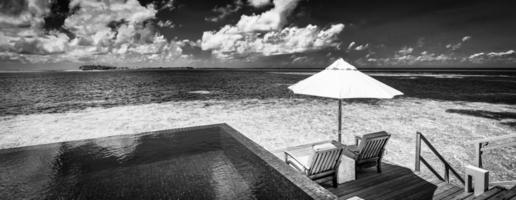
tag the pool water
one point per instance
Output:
(193, 163)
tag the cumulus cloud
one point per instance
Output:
(225, 11)
(100, 31)
(265, 34)
(21, 13)
(166, 24)
(408, 56)
(351, 44)
(508, 56)
(299, 59)
(509, 53)
(230, 42)
(361, 47)
(273, 19)
(459, 44)
(259, 3)
(502, 54)
(51, 44)
(405, 51)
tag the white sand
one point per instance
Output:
(278, 123)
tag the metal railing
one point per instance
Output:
(419, 158)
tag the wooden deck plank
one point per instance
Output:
(396, 182)
(421, 191)
(371, 180)
(491, 192)
(449, 192)
(505, 195)
(442, 188)
(391, 185)
(406, 190)
(459, 191)
(463, 196)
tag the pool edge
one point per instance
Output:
(311, 188)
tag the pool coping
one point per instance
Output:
(311, 188)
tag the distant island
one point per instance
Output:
(107, 67)
(100, 67)
(165, 68)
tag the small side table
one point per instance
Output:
(346, 170)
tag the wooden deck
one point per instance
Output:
(397, 182)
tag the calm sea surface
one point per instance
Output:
(53, 92)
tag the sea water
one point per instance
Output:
(56, 92)
(450, 108)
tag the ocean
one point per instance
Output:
(451, 108)
(57, 92)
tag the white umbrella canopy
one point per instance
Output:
(342, 80)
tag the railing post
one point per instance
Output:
(478, 153)
(417, 167)
(477, 180)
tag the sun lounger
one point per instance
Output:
(369, 151)
(319, 163)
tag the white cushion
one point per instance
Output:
(304, 161)
(324, 146)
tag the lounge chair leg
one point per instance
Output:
(356, 172)
(379, 166)
(335, 184)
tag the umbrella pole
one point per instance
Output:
(340, 120)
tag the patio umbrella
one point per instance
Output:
(342, 80)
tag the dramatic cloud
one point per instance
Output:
(251, 33)
(270, 20)
(99, 31)
(230, 42)
(225, 11)
(22, 13)
(264, 35)
(259, 3)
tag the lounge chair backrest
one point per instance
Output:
(371, 146)
(324, 160)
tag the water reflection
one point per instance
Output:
(182, 165)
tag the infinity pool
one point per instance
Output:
(208, 162)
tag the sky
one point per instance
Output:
(64, 34)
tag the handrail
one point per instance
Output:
(504, 182)
(484, 144)
(494, 138)
(419, 158)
